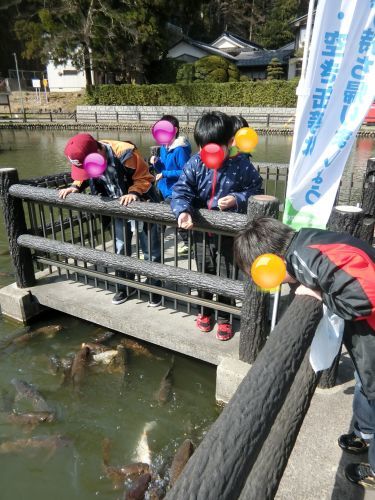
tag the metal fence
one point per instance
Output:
(113, 116)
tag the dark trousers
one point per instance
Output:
(123, 237)
(207, 258)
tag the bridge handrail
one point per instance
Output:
(227, 223)
(229, 454)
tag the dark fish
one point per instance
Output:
(32, 418)
(118, 474)
(96, 348)
(51, 443)
(183, 453)
(79, 366)
(119, 362)
(27, 391)
(104, 337)
(9, 340)
(48, 331)
(163, 395)
(139, 488)
(137, 348)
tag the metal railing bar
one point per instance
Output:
(141, 286)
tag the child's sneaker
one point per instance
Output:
(204, 323)
(224, 331)
(182, 248)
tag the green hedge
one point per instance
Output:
(274, 93)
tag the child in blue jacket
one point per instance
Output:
(237, 180)
(168, 165)
(171, 160)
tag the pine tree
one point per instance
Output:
(275, 70)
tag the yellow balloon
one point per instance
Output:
(246, 139)
(268, 271)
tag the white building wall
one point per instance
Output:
(183, 49)
(60, 78)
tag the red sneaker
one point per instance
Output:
(204, 323)
(224, 331)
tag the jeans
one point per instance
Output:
(364, 420)
(121, 242)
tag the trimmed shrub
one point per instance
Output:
(185, 73)
(214, 69)
(274, 93)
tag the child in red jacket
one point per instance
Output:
(339, 270)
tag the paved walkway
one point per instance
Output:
(316, 466)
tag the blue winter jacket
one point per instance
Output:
(236, 177)
(170, 164)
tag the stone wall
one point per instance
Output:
(185, 114)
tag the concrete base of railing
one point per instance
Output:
(19, 304)
(230, 373)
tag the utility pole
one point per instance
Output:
(19, 82)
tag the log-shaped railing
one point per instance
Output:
(246, 450)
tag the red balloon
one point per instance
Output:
(212, 155)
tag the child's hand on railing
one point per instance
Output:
(128, 198)
(63, 193)
(226, 202)
(185, 221)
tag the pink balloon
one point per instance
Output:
(163, 131)
(94, 164)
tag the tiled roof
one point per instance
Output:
(263, 58)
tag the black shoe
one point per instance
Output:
(361, 474)
(123, 296)
(352, 444)
(155, 300)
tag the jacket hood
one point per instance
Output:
(181, 141)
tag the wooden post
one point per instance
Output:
(367, 229)
(346, 219)
(368, 203)
(343, 219)
(50, 116)
(254, 314)
(15, 226)
(368, 198)
(268, 119)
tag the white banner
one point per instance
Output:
(334, 97)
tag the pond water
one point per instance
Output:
(110, 405)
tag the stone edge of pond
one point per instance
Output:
(145, 126)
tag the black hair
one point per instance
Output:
(213, 126)
(261, 235)
(172, 119)
(238, 122)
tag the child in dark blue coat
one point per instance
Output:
(237, 180)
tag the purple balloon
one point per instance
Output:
(94, 164)
(163, 131)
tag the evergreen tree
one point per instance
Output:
(121, 36)
(275, 70)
